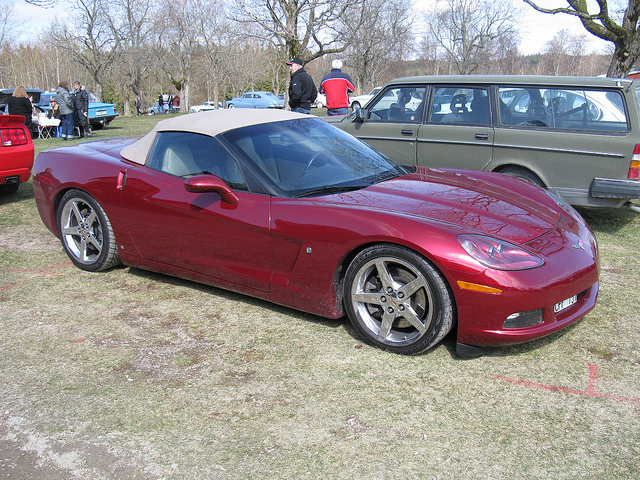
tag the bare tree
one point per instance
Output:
(43, 3)
(90, 40)
(306, 29)
(468, 31)
(220, 50)
(132, 21)
(381, 33)
(624, 35)
(564, 54)
(8, 24)
(176, 44)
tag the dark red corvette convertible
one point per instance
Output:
(289, 209)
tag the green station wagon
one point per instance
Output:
(577, 137)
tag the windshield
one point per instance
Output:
(308, 157)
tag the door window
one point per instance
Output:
(465, 106)
(555, 108)
(186, 154)
(399, 105)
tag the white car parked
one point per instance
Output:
(205, 106)
(321, 101)
(359, 101)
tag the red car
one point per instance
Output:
(16, 153)
(288, 208)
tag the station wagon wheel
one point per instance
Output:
(397, 300)
(86, 232)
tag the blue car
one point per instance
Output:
(256, 100)
(100, 114)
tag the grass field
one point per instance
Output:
(132, 375)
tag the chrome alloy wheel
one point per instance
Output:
(392, 300)
(81, 230)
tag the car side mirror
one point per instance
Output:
(361, 115)
(211, 184)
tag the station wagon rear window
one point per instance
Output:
(563, 108)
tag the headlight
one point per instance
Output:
(497, 254)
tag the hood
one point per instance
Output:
(478, 202)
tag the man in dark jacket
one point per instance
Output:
(336, 85)
(81, 109)
(302, 90)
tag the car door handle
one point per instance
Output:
(482, 136)
(406, 132)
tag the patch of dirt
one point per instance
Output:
(167, 352)
(25, 455)
(18, 239)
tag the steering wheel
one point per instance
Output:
(317, 156)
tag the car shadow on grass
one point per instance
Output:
(607, 220)
(236, 297)
(449, 342)
(25, 192)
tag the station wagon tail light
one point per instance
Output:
(497, 254)
(634, 168)
(13, 136)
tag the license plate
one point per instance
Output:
(101, 112)
(558, 307)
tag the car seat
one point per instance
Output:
(458, 108)
(480, 110)
(178, 160)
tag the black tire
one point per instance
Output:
(524, 174)
(355, 106)
(86, 232)
(397, 300)
(9, 188)
(231, 105)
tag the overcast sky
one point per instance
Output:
(537, 30)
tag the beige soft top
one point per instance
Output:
(209, 123)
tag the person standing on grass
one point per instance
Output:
(20, 104)
(336, 86)
(81, 109)
(302, 90)
(65, 104)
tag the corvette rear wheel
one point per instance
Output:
(86, 233)
(397, 300)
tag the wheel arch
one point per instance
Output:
(527, 173)
(55, 205)
(57, 199)
(342, 267)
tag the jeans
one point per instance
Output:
(67, 125)
(337, 111)
(301, 110)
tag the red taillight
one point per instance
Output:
(10, 137)
(634, 168)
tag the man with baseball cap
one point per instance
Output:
(302, 90)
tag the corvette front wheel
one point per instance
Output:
(397, 300)
(86, 232)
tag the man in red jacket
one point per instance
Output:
(336, 86)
